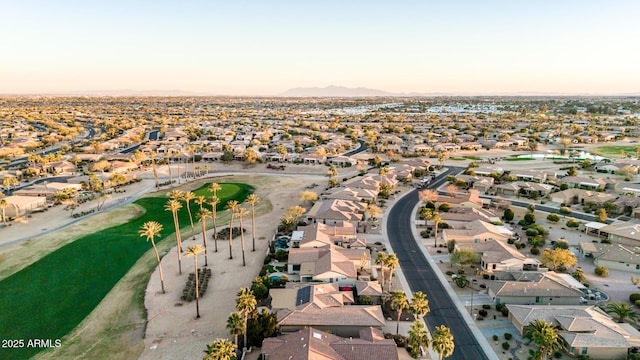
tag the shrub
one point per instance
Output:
(444, 207)
(495, 337)
(562, 244)
(486, 306)
(506, 345)
(553, 218)
(601, 271)
(425, 233)
(499, 307)
(483, 312)
(531, 232)
(505, 312)
(565, 210)
(282, 255)
(637, 302)
(573, 223)
(579, 275)
(485, 276)
(508, 214)
(529, 218)
(634, 297)
(508, 336)
(557, 355)
(535, 251)
(449, 272)
(511, 240)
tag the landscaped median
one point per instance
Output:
(50, 297)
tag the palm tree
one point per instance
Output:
(381, 258)
(235, 325)
(391, 263)
(221, 349)
(150, 230)
(442, 342)
(187, 197)
(4, 204)
(621, 311)
(435, 217)
(399, 303)
(214, 212)
(252, 200)
(174, 206)
(175, 194)
(419, 305)
(245, 304)
(152, 155)
(241, 212)
(232, 205)
(201, 200)
(167, 157)
(544, 335)
(418, 336)
(213, 188)
(194, 250)
(203, 215)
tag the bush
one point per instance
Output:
(449, 272)
(499, 307)
(562, 244)
(495, 337)
(485, 276)
(505, 312)
(508, 214)
(535, 251)
(553, 218)
(282, 255)
(573, 223)
(637, 302)
(529, 218)
(565, 210)
(557, 355)
(483, 312)
(486, 306)
(506, 345)
(601, 271)
(444, 207)
(531, 232)
(425, 233)
(634, 297)
(579, 275)
(508, 336)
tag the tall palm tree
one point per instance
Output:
(245, 304)
(419, 305)
(192, 149)
(545, 335)
(235, 325)
(187, 197)
(150, 230)
(391, 262)
(232, 206)
(220, 349)
(381, 258)
(203, 215)
(201, 200)
(194, 250)
(621, 311)
(442, 342)
(175, 194)
(241, 212)
(213, 188)
(4, 204)
(174, 206)
(153, 155)
(435, 217)
(399, 303)
(167, 157)
(252, 200)
(418, 336)
(214, 215)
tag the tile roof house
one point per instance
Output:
(336, 211)
(501, 256)
(613, 256)
(327, 264)
(476, 231)
(529, 288)
(623, 232)
(586, 330)
(322, 235)
(313, 344)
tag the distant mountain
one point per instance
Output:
(335, 91)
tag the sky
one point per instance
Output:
(266, 47)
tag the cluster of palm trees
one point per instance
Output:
(236, 324)
(432, 215)
(441, 341)
(151, 229)
(388, 263)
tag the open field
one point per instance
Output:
(77, 276)
(616, 150)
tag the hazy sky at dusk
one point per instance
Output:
(265, 47)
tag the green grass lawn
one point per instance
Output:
(472, 157)
(49, 298)
(614, 150)
(457, 158)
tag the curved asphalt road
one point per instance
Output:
(421, 277)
